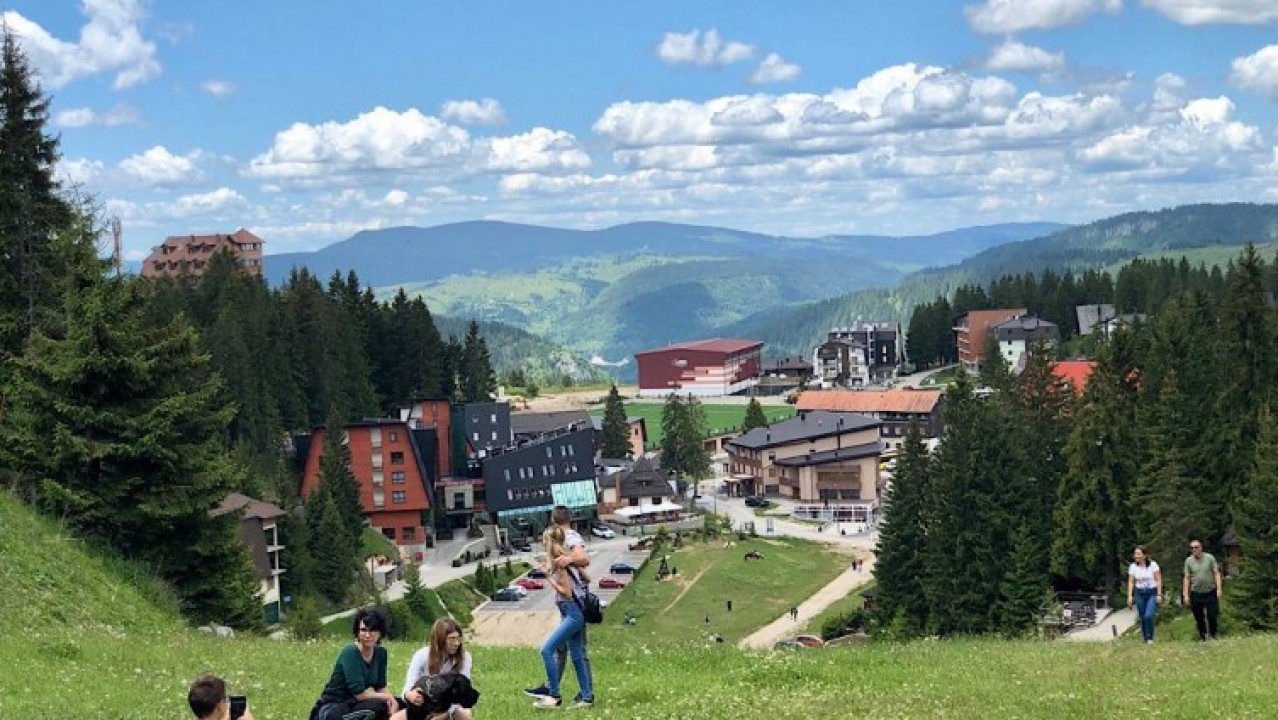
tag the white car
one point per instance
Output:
(520, 591)
(603, 532)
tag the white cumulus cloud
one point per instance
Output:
(1209, 12)
(158, 166)
(474, 112)
(774, 69)
(1257, 72)
(703, 49)
(378, 140)
(1013, 55)
(539, 150)
(1012, 16)
(111, 41)
(218, 88)
(204, 203)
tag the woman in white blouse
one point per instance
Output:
(1144, 590)
(442, 654)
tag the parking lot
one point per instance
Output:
(603, 553)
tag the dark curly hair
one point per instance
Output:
(371, 618)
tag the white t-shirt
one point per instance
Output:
(573, 539)
(420, 664)
(1144, 575)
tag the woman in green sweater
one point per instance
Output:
(357, 688)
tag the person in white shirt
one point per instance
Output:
(1144, 590)
(442, 654)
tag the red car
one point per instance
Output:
(610, 584)
(529, 584)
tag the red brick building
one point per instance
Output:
(393, 473)
(703, 368)
(973, 332)
(190, 254)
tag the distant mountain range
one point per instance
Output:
(608, 293)
(1110, 242)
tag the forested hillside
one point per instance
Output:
(1096, 245)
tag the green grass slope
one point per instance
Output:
(49, 578)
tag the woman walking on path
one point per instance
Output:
(1144, 590)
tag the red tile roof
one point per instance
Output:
(722, 345)
(866, 401)
(1074, 372)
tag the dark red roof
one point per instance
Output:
(722, 345)
(1075, 372)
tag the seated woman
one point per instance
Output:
(357, 687)
(443, 653)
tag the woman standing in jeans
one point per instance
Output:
(571, 631)
(1144, 590)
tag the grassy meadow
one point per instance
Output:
(86, 636)
(720, 419)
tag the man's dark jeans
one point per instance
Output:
(1206, 609)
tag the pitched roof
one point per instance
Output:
(252, 507)
(832, 456)
(531, 423)
(868, 401)
(805, 426)
(1075, 372)
(722, 345)
(645, 479)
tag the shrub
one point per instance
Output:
(303, 622)
(840, 625)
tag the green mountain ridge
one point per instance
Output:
(1104, 243)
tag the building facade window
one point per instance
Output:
(397, 458)
(399, 497)
(389, 533)
(409, 532)
(397, 477)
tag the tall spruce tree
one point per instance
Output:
(114, 425)
(46, 242)
(614, 441)
(1256, 525)
(333, 547)
(477, 382)
(754, 417)
(336, 478)
(898, 568)
(1093, 532)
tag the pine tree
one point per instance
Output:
(416, 594)
(477, 382)
(754, 417)
(1026, 584)
(673, 449)
(332, 546)
(1093, 533)
(115, 425)
(614, 439)
(1256, 525)
(45, 241)
(995, 373)
(898, 569)
(336, 478)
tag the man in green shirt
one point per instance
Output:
(1201, 589)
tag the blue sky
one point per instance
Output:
(308, 120)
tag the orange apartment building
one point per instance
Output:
(393, 473)
(190, 254)
(973, 331)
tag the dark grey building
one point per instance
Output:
(524, 481)
(486, 425)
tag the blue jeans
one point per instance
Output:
(1146, 608)
(571, 632)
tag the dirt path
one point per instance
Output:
(687, 586)
(784, 626)
(513, 628)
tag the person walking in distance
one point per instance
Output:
(1201, 589)
(1144, 590)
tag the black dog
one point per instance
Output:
(442, 692)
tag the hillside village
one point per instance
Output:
(1033, 473)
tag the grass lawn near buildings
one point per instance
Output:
(673, 612)
(720, 419)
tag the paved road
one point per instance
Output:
(1107, 628)
(603, 554)
(785, 626)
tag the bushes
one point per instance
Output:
(303, 622)
(844, 624)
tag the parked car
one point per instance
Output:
(530, 584)
(809, 640)
(602, 531)
(536, 574)
(621, 569)
(610, 584)
(641, 543)
(755, 501)
(523, 546)
(788, 645)
(521, 591)
(508, 594)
